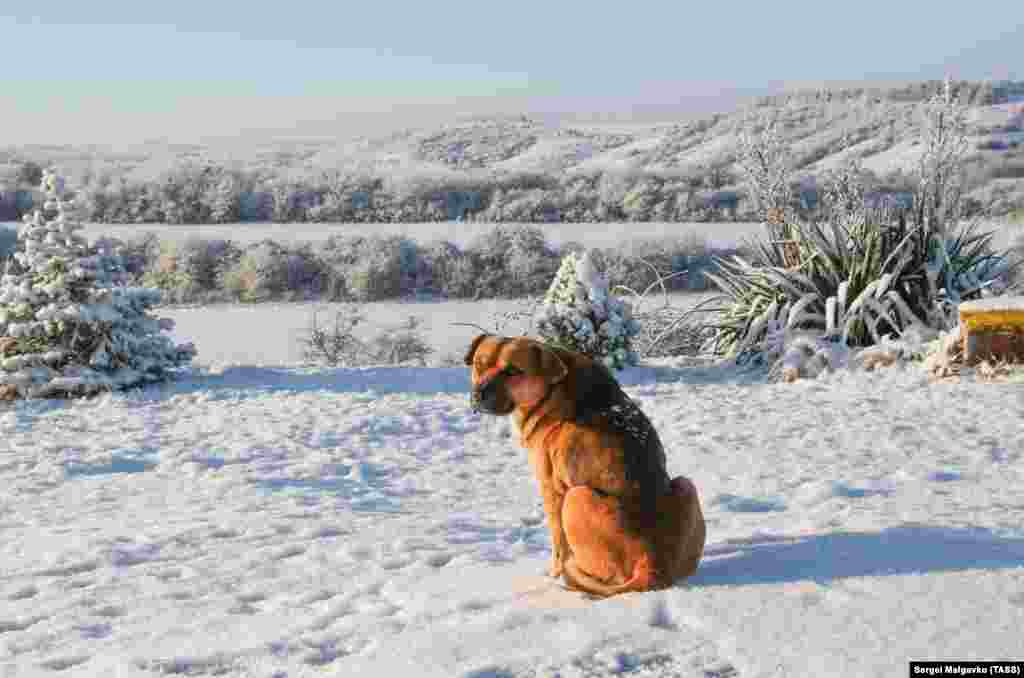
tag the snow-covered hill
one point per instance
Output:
(537, 163)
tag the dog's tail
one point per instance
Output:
(644, 579)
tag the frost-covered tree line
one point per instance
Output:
(206, 194)
(507, 261)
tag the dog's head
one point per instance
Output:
(509, 372)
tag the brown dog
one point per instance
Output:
(617, 522)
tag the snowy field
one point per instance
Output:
(281, 340)
(262, 519)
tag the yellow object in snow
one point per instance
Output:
(993, 329)
(993, 314)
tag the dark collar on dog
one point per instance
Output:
(539, 403)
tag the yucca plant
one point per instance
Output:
(860, 274)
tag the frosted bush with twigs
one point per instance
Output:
(338, 346)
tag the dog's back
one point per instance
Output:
(601, 403)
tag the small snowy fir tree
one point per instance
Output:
(580, 314)
(69, 325)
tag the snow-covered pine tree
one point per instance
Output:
(580, 314)
(69, 325)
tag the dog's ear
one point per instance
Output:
(551, 365)
(472, 348)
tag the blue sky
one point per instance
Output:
(113, 71)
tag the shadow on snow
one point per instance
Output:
(415, 380)
(244, 381)
(823, 558)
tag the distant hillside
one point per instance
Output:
(515, 168)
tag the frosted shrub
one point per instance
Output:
(203, 260)
(269, 271)
(529, 260)
(378, 274)
(410, 263)
(190, 270)
(370, 269)
(290, 273)
(304, 272)
(373, 280)
(511, 260)
(528, 272)
(464, 278)
(639, 264)
(437, 268)
(481, 272)
(765, 161)
(400, 345)
(579, 314)
(338, 346)
(69, 324)
(168, 276)
(260, 274)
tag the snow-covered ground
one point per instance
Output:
(259, 518)
(281, 341)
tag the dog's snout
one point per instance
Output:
(485, 396)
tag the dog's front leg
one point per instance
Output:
(553, 497)
(553, 501)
